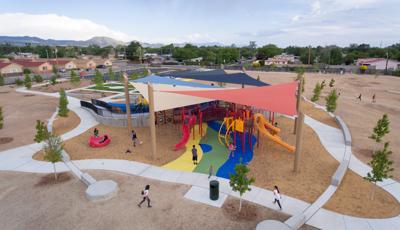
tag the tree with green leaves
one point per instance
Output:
(63, 104)
(134, 51)
(1, 118)
(38, 78)
(332, 83)
(75, 79)
(381, 129)
(98, 79)
(41, 132)
(331, 101)
(1, 80)
(381, 167)
(27, 71)
(317, 92)
(111, 76)
(27, 81)
(53, 148)
(240, 182)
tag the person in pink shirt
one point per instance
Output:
(232, 149)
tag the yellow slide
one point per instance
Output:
(261, 122)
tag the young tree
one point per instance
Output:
(27, 71)
(63, 104)
(75, 79)
(98, 79)
(240, 182)
(317, 92)
(1, 118)
(52, 151)
(381, 128)
(41, 132)
(19, 82)
(331, 101)
(332, 83)
(381, 167)
(111, 76)
(1, 80)
(27, 81)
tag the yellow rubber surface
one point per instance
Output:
(184, 162)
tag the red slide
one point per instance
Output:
(95, 141)
(185, 137)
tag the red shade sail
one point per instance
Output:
(276, 98)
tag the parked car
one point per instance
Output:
(101, 66)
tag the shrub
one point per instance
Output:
(332, 83)
(28, 81)
(331, 101)
(111, 76)
(1, 118)
(63, 104)
(38, 78)
(363, 68)
(98, 78)
(262, 62)
(1, 80)
(53, 80)
(256, 64)
(19, 82)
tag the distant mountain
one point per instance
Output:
(158, 45)
(23, 40)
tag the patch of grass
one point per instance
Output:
(107, 87)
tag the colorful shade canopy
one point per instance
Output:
(276, 98)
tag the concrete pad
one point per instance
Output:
(272, 224)
(135, 168)
(328, 220)
(187, 178)
(394, 190)
(170, 175)
(202, 195)
(102, 190)
(356, 223)
(153, 172)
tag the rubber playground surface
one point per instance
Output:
(212, 153)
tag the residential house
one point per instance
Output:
(106, 62)
(23, 55)
(63, 64)
(9, 68)
(34, 65)
(85, 63)
(282, 59)
(379, 63)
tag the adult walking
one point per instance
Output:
(145, 195)
(194, 155)
(373, 98)
(277, 196)
(359, 97)
(96, 132)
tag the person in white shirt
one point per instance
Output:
(277, 196)
(145, 195)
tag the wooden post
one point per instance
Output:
(299, 90)
(299, 136)
(127, 103)
(152, 121)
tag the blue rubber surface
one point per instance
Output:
(229, 166)
(206, 148)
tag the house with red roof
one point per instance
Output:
(34, 66)
(379, 63)
(9, 68)
(66, 64)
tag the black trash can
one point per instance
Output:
(214, 190)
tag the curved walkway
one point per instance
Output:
(20, 159)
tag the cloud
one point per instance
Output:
(55, 26)
(316, 7)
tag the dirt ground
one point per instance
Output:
(318, 114)
(360, 116)
(29, 203)
(382, 206)
(67, 85)
(167, 134)
(20, 112)
(88, 95)
(63, 125)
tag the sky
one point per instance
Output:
(280, 22)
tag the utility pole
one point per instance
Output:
(47, 54)
(309, 54)
(387, 60)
